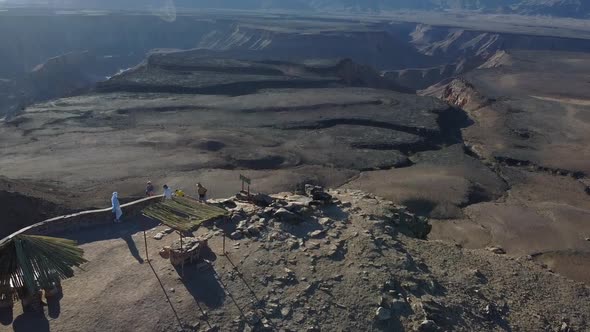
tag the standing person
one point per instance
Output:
(202, 191)
(116, 207)
(149, 189)
(167, 192)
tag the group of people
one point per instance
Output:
(150, 190)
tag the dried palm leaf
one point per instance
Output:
(29, 263)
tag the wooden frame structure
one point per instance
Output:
(183, 214)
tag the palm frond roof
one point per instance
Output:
(183, 214)
(33, 262)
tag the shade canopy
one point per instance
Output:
(29, 263)
(183, 214)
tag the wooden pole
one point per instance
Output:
(224, 243)
(147, 256)
(181, 252)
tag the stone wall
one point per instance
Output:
(87, 219)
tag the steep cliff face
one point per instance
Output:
(377, 46)
(415, 56)
(462, 94)
(63, 75)
(31, 40)
(457, 51)
(354, 74)
(236, 36)
(60, 76)
(452, 43)
(198, 72)
(566, 8)
(421, 78)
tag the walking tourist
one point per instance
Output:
(149, 189)
(167, 192)
(116, 207)
(202, 191)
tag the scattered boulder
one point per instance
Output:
(427, 325)
(261, 199)
(317, 193)
(242, 225)
(286, 311)
(213, 328)
(296, 207)
(496, 250)
(382, 314)
(285, 215)
(237, 235)
(326, 222)
(410, 224)
(237, 216)
(159, 235)
(268, 211)
(252, 318)
(165, 252)
(398, 305)
(490, 311)
(242, 196)
(253, 230)
(223, 203)
(317, 234)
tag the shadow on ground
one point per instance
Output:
(208, 254)
(128, 227)
(335, 212)
(124, 230)
(202, 285)
(419, 206)
(6, 316)
(54, 305)
(301, 230)
(132, 248)
(31, 322)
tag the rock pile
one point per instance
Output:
(252, 214)
(324, 260)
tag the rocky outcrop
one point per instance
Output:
(296, 208)
(386, 277)
(459, 92)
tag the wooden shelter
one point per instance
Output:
(31, 263)
(183, 214)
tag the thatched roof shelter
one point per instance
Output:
(29, 263)
(183, 214)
